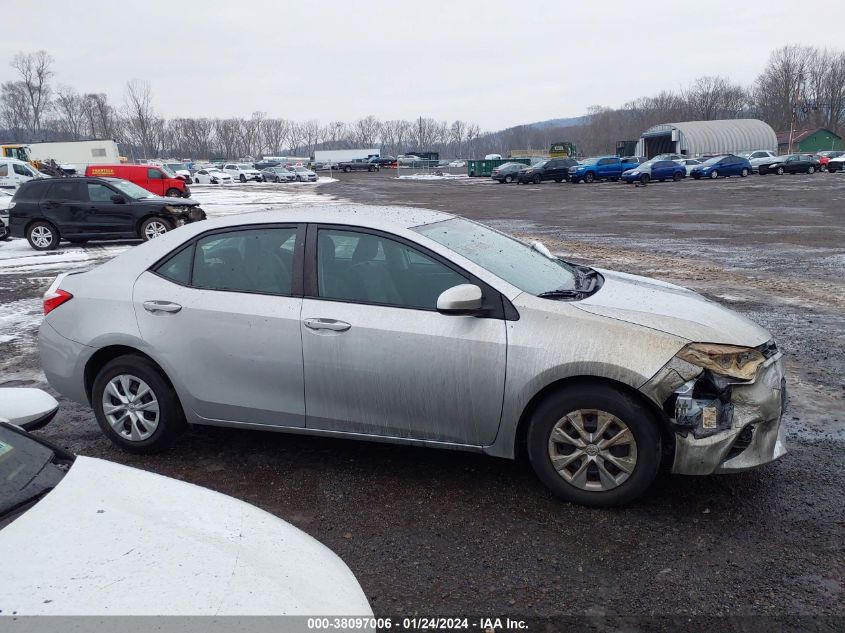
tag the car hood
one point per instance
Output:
(673, 309)
(114, 540)
(173, 202)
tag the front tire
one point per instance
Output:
(743, 173)
(43, 236)
(714, 174)
(242, 178)
(4, 232)
(594, 445)
(811, 170)
(779, 171)
(677, 176)
(152, 228)
(508, 179)
(537, 179)
(135, 406)
(589, 177)
(644, 178)
(173, 192)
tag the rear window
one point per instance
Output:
(32, 190)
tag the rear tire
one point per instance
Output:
(677, 176)
(598, 473)
(152, 228)
(43, 236)
(744, 173)
(4, 232)
(508, 179)
(137, 421)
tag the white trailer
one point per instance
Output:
(335, 156)
(77, 155)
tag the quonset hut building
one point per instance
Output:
(694, 138)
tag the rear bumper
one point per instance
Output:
(63, 362)
(755, 437)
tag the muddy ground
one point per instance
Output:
(435, 532)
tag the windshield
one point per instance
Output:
(27, 472)
(131, 189)
(542, 163)
(177, 166)
(244, 166)
(745, 154)
(712, 161)
(508, 258)
(590, 161)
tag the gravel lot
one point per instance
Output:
(432, 532)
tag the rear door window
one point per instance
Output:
(66, 191)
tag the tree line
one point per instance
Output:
(803, 83)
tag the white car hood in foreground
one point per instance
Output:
(670, 308)
(114, 540)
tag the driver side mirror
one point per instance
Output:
(461, 299)
(118, 199)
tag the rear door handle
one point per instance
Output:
(161, 306)
(327, 324)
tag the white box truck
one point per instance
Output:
(75, 156)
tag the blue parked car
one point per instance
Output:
(661, 170)
(599, 168)
(727, 165)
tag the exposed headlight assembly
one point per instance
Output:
(733, 361)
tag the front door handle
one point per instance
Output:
(161, 306)
(327, 324)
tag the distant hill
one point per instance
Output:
(567, 122)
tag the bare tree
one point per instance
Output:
(275, 133)
(15, 112)
(100, 116)
(70, 110)
(143, 127)
(34, 70)
(779, 84)
(713, 97)
(366, 131)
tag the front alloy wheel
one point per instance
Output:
(714, 174)
(153, 228)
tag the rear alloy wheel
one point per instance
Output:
(135, 406)
(589, 177)
(779, 171)
(714, 174)
(677, 176)
(594, 445)
(508, 179)
(43, 236)
(811, 170)
(744, 172)
(152, 228)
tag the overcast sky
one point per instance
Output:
(494, 63)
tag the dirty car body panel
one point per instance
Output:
(319, 357)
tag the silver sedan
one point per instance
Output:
(418, 327)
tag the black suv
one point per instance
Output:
(46, 211)
(556, 169)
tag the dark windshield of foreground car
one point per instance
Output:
(131, 189)
(28, 470)
(511, 260)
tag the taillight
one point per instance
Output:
(54, 299)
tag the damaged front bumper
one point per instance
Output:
(720, 425)
(181, 215)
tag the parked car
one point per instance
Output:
(14, 172)
(599, 168)
(667, 157)
(458, 163)
(632, 162)
(212, 176)
(689, 164)
(359, 164)
(155, 179)
(825, 157)
(791, 164)
(342, 321)
(264, 164)
(303, 174)
(722, 166)
(79, 209)
(836, 164)
(225, 557)
(556, 169)
(758, 157)
(383, 161)
(278, 174)
(5, 200)
(661, 170)
(242, 172)
(507, 172)
(181, 170)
